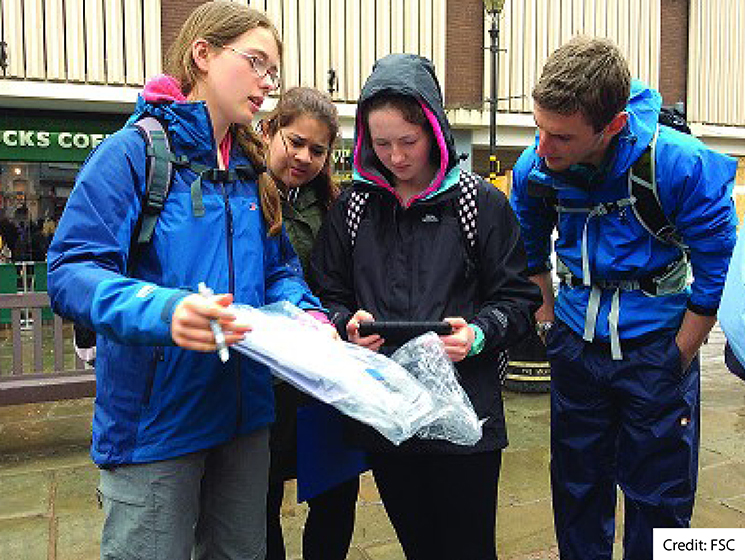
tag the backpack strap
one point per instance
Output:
(158, 183)
(468, 210)
(355, 210)
(647, 206)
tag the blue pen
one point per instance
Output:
(222, 348)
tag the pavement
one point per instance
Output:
(48, 508)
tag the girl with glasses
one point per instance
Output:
(300, 135)
(181, 437)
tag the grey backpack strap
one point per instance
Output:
(158, 183)
(355, 210)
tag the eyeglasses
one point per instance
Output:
(259, 66)
(293, 144)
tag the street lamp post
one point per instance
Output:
(493, 9)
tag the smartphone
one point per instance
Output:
(398, 332)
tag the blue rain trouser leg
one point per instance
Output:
(633, 422)
(658, 447)
(584, 430)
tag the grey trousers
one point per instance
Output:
(205, 505)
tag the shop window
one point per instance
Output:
(32, 197)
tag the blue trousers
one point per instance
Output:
(632, 423)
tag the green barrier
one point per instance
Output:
(8, 285)
(40, 285)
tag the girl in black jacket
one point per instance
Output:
(417, 238)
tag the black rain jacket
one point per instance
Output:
(411, 262)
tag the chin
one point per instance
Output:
(560, 165)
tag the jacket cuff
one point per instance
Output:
(478, 341)
(538, 269)
(701, 310)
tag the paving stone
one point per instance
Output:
(385, 551)
(75, 490)
(724, 481)
(79, 535)
(24, 539)
(524, 476)
(738, 504)
(525, 529)
(717, 514)
(24, 495)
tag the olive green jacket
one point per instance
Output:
(302, 213)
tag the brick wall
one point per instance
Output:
(673, 50)
(464, 48)
(173, 13)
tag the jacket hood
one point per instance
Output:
(188, 122)
(643, 110)
(413, 76)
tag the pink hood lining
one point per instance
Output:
(166, 89)
(436, 182)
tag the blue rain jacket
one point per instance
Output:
(694, 185)
(155, 400)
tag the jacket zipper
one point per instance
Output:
(231, 288)
(157, 356)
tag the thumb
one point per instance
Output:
(456, 322)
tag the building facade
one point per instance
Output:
(71, 71)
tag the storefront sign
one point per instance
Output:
(56, 137)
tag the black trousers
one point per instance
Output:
(328, 528)
(442, 507)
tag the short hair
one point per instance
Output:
(589, 75)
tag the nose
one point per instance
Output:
(303, 154)
(267, 84)
(397, 155)
(544, 144)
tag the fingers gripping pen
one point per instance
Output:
(222, 348)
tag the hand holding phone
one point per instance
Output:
(399, 332)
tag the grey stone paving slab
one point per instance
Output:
(24, 495)
(24, 539)
(79, 535)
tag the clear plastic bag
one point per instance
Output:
(425, 358)
(362, 384)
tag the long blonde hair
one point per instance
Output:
(219, 23)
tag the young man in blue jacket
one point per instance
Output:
(623, 334)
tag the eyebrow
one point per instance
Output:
(304, 140)
(261, 54)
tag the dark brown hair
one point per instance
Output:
(305, 101)
(589, 75)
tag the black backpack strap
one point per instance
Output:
(467, 209)
(159, 176)
(355, 210)
(647, 206)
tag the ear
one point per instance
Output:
(617, 124)
(200, 52)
